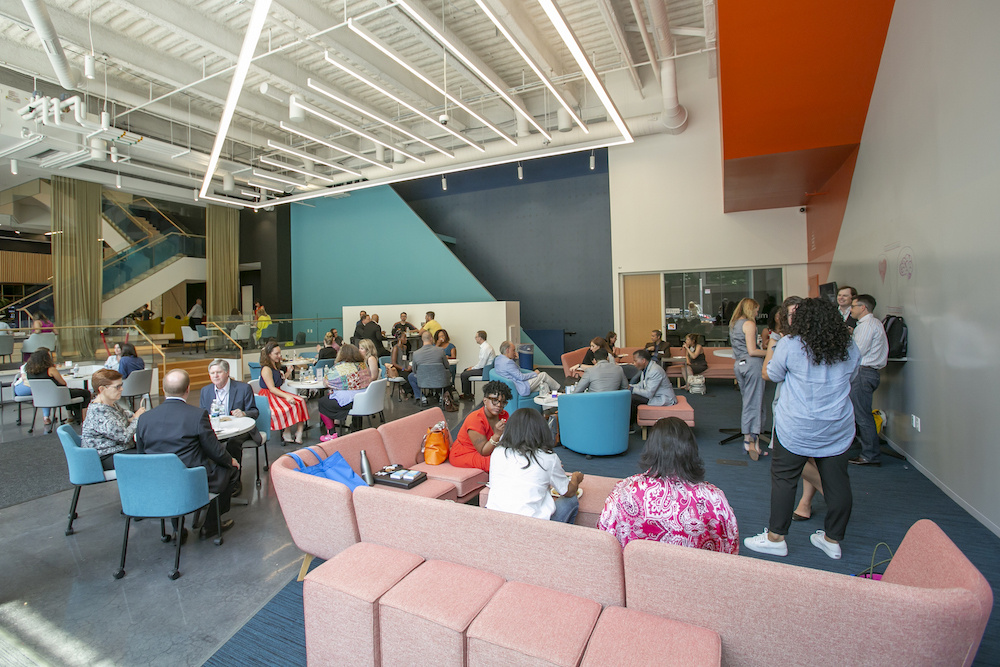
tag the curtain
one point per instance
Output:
(222, 257)
(77, 262)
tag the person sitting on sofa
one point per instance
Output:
(588, 358)
(670, 502)
(482, 429)
(524, 381)
(604, 375)
(523, 468)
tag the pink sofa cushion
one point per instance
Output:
(532, 625)
(431, 488)
(517, 548)
(340, 599)
(444, 593)
(571, 359)
(350, 447)
(466, 480)
(804, 608)
(596, 490)
(403, 437)
(648, 415)
(626, 637)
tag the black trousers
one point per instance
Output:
(786, 469)
(234, 445)
(466, 382)
(221, 481)
(636, 402)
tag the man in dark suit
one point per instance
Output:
(373, 332)
(237, 400)
(175, 427)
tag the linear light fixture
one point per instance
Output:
(308, 156)
(288, 167)
(254, 28)
(261, 186)
(427, 20)
(343, 67)
(371, 39)
(339, 99)
(351, 127)
(319, 140)
(30, 141)
(531, 63)
(562, 27)
(248, 193)
(280, 179)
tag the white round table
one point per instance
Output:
(546, 401)
(229, 427)
(301, 386)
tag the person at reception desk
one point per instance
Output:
(430, 324)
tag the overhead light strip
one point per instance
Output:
(420, 14)
(562, 27)
(308, 156)
(254, 28)
(398, 100)
(261, 186)
(371, 39)
(320, 140)
(351, 127)
(280, 179)
(288, 167)
(531, 63)
(339, 99)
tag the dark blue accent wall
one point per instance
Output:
(544, 241)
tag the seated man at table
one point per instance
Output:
(604, 375)
(649, 386)
(657, 347)
(428, 355)
(486, 357)
(430, 324)
(524, 381)
(402, 326)
(174, 427)
(237, 400)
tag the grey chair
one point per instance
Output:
(138, 383)
(6, 346)
(37, 340)
(433, 378)
(370, 402)
(48, 394)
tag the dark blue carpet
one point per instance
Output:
(887, 501)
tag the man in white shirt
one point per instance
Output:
(845, 297)
(486, 356)
(870, 339)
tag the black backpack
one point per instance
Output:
(895, 331)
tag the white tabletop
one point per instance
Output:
(546, 400)
(727, 353)
(301, 361)
(227, 427)
(304, 385)
(453, 362)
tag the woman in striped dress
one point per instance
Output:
(287, 409)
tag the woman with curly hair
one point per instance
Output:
(748, 359)
(482, 429)
(813, 418)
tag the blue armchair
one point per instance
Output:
(160, 486)
(84, 467)
(595, 423)
(517, 401)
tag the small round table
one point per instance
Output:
(229, 427)
(546, 401)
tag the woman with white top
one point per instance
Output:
(114, 358)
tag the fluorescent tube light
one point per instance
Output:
(308, 156)
(304, 172)
(280, 179)
(351, 127)
(337, 147)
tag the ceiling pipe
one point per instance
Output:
(675, 116)
(39, 15)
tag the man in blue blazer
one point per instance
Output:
(649, 386)
(175, 427)
(237, 399)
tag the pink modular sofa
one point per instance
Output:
(438, 583)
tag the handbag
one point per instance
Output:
(870, 573)
(449, 402)
(436, 444)
(334, 467)
(391, 371)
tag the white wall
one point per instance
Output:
(666, 203)
(499, 319)
(924, 187)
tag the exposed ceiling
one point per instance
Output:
(341, 94)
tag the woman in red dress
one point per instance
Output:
(287, 409)
(482, 429)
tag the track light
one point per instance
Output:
(520, 172)
(118, 181)
(593, 161)
(114, 153)
(13, 167)
(195, 194)
(444, 182)
(89, 68)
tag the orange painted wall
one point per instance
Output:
(824, 216)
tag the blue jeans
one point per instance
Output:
(566, 509)
(862, 388)
(25, 390)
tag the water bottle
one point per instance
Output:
(216, 408)
(366, 469)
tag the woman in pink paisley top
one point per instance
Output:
(671, 502)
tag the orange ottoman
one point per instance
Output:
(650, 414)
(628, 637)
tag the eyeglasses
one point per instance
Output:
(499, 402)
(117, 386)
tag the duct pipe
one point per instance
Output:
(379, 153)
(565, 120)
(675, 116)
(39, 16)
(522, 126)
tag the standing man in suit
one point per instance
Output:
(649, 386)
(604, 375)
(373, 332)
(237, 400)
(175, 427)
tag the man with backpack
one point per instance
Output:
(870, 338)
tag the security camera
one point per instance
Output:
(443, 119)
(802, 209)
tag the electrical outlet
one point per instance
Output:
(309, 330)
(915, 421)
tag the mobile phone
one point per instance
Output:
(145, 402)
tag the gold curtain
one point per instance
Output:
(77, 264)
(222, 256)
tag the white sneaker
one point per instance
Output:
(819, 541)
(761, 544)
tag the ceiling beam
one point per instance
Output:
(611, 20)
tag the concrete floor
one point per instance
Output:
(60, 605)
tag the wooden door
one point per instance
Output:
(643, 307)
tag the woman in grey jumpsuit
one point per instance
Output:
(748, 361)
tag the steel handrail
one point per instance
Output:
(130, 216)
(165, 216)
(231, 339)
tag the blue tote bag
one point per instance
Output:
(332, 467)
